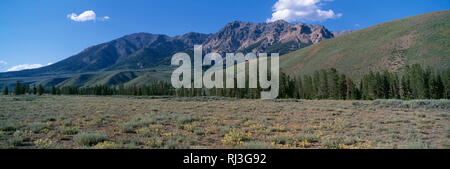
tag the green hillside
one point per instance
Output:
(422, 39)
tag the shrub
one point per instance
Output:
(154, 142)
(278, 128)
(255, 145)
(414, 145)
(130, 146)
(146, 132)
(89, 139)
(45, 144)
(175, 144)
(106, 145)
(308, 137)
(15, 141)
(282, 139)
(235, 137)
(199, 132)
(49, 118)
(8, 126)
(67, 123)
(25, 135)
(37, 127)
(182, 120)
(330, 144)
(135, 123)
(69, 131)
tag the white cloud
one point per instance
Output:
(2, 64)
(26, 66)
(88, 15)
(301, 10)
(85, 16)
(105, 18)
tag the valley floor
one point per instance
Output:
(165, 122)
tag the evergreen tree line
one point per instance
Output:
(414, 82)
(20, 89)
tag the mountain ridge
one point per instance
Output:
(141, 51)
(114, 54)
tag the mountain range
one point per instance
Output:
(141, 53)
(142, 57)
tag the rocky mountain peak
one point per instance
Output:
(257, 37)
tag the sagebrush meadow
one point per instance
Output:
(214, 122)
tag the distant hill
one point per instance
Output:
(140, 52)
(422, 39)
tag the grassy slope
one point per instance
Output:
(420, 39)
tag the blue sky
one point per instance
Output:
(47, 31)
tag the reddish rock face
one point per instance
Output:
(247, 36)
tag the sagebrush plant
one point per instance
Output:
(26, 135)
(70, 131)
(154, 142)
(37, 127)
(175, 143)
(254, 145)
(45, 144)
(15, 141)
(8, 126)
(147, 132)
(89, 139)
(135, 123)
(236, 137)
(106, 145)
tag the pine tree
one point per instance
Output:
(324, 89)
(34, 89)
(406, 87)
(333, 83)
(417, 82)
(283, 91)
(371, 86)
(316, 85)
(18, 89)
(437, 87)
(363, 87)
(395, 86)
(40, 90)
(6, 90)
(342, 87)
(53, 90)
(297, 87)
(385, 85)
(446, 81)
(26, 89)
(308, 87)
(426, 83)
